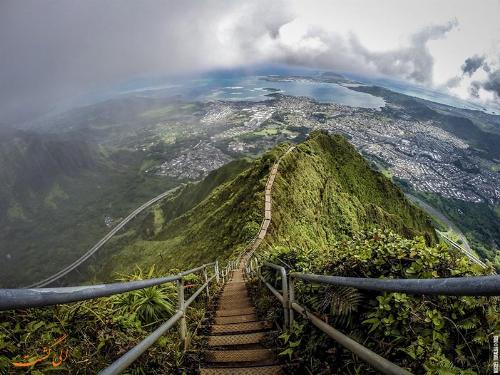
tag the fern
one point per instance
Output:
(339, 301)
(150, 304)
(443, 366)
(468, 323)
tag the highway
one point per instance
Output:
(465, 248)
(98, 245)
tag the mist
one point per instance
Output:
(55, 51)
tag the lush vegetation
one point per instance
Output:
(85, 337)
(54, 195)
(210, 220)
(325, 190)
(334, 215)
(426, 334)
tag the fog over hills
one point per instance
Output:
(51, 55)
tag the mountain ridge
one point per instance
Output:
(228, 215)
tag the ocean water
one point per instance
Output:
(255, 88)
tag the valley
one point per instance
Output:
(140, 146)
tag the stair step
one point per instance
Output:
(264, 370)
(246, 355)
(234, 298)
(240, 327)
(242, 339)
(234, 292)
(233, 312)
(235, 285)
(236, 319)
(239, 303)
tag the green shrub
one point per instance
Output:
(427, 334)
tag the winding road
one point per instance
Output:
(465, 247)
(98, 245)
(254, 244)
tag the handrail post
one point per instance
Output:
(284, 290)
(291, 299)
(205, 276)
(181, 307)
(259, 275)
(216, 270)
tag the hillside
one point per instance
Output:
(55, 192)
(212, 219)
(332, 214)
(324, 191)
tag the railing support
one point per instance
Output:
(205, 276)
(181, 307)
(216, 270)
(291, 299)
(284, 290)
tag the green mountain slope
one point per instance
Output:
(55, 191)
(212, 219)
(324, 191)
(332, 214)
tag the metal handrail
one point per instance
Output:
(476, 286)
(376, 361)
(284, 289)
(128, 358)
(454, 286)
(37, 297)
(180, 316)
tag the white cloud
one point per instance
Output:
(59, 49)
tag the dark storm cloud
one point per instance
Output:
(53, 51)
(474, 89)
(472, 64)
(492, 83)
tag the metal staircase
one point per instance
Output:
(236, 335)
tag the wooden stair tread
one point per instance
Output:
(233, 312)
(241, 339)
(233, 299)
(261, 370)
(234, 292)
(236, 319)
(240, 327)
(229, 305)
(246, 355)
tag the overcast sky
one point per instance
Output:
(52, 50)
